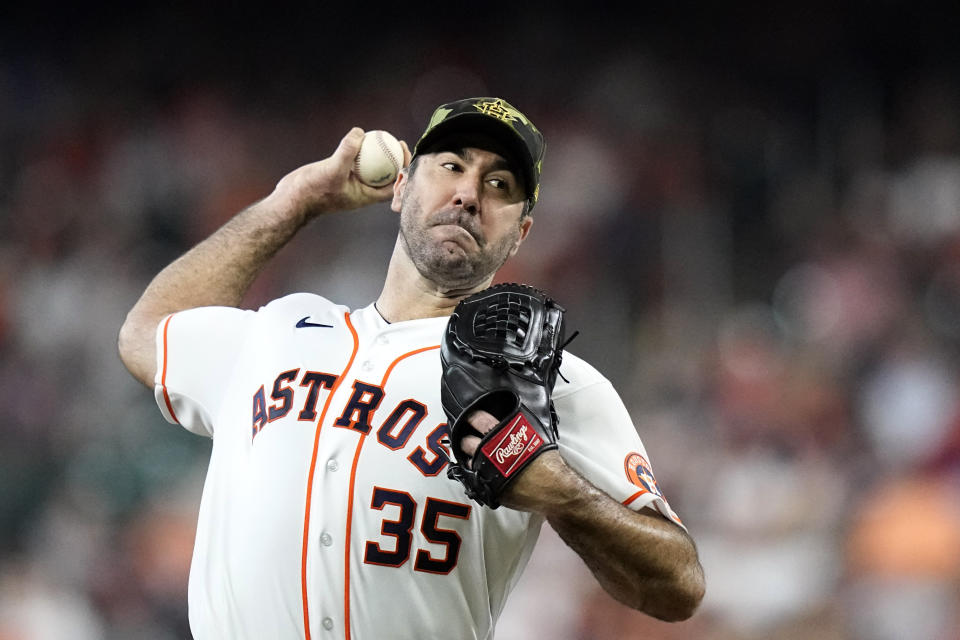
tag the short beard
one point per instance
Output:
(448, 270)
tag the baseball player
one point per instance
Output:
(327, 511)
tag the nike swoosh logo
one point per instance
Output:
(303, 324)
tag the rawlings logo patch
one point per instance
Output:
(518, 442)
(512, 446)
(639, 473)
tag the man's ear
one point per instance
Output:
(525, 225)
(399, 186)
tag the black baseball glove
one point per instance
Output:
(501, 353)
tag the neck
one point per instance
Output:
(408, 295)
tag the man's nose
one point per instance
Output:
(467, 194)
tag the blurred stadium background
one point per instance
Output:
(753, 214)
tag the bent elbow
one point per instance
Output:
(136, 350)
(683, 606)
(127, 346)
(682, 601)
(674, 598)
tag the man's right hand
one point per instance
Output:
(329, 185)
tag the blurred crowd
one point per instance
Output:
(770, 277)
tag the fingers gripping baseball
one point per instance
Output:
(342, 163)
(330, 185)
(348, 154)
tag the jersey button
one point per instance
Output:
(327, 623)
(381, 339)
(367, 365)
(332, 465)
(326, 539)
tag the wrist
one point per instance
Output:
(547, 486)
(298, 197)
(288, 202)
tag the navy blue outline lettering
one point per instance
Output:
(398, 441)
(314, 380)
(259, 412)
(361, 405)
(435, 508)
(400, 528)
(441, 455)
(283, 394)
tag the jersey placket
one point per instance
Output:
(321, 574)
(343, 434)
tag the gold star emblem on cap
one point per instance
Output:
(498, 109)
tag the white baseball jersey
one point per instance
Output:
(326, 511)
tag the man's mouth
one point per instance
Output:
(457, 233)
(452, 219)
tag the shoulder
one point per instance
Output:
(576, 375)
(223, 323)
(306, 304)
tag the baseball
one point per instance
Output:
(379, 160)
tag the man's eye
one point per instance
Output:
(498, 183)
(450, 166)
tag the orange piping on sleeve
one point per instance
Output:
(163, 375)
(633, 497)
(640, 493)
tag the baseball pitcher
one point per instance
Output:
(384, 472)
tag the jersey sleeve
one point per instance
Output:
(599, 440)
(197, 350)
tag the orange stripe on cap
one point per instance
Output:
(353, 477)
(163, 375)
(313, 466)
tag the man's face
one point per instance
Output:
(460, 216)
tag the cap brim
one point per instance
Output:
(467, 124)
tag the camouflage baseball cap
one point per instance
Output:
(494, 117)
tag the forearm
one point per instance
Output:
(217, 271)
(641, 559)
